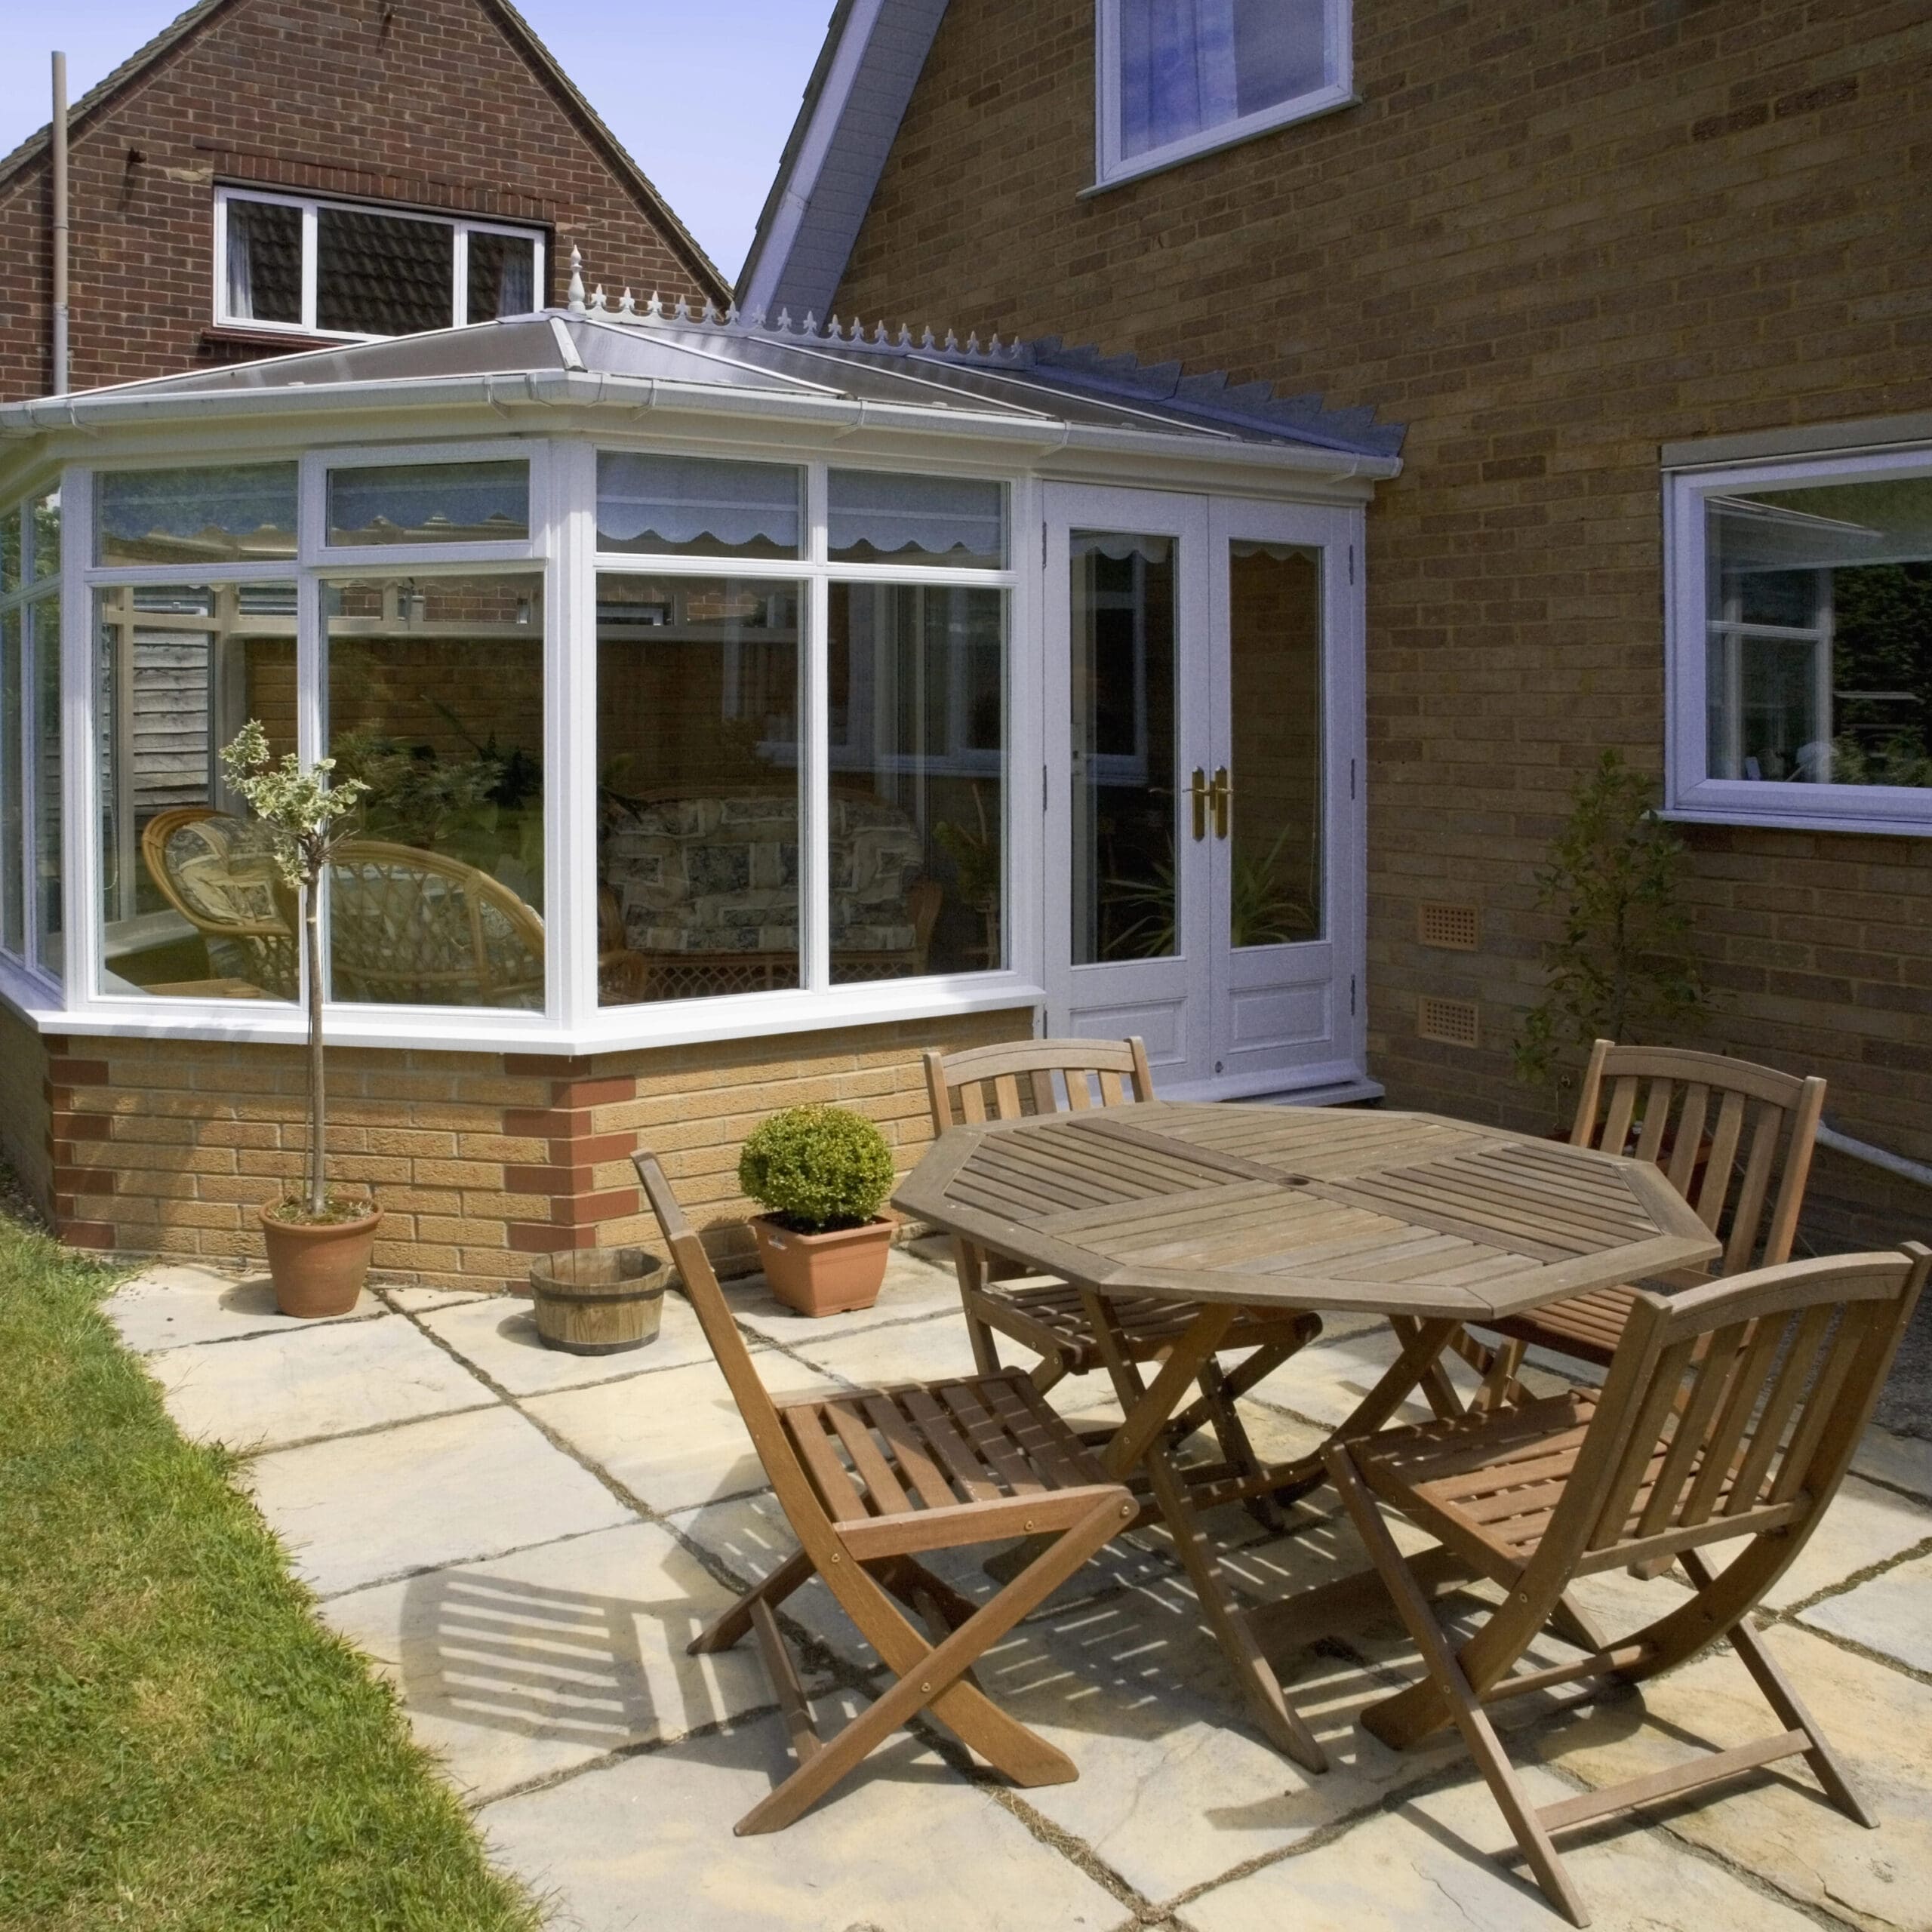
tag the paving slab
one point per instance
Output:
(520, 1667)
(915, 1351)
(176, 1307)
(264, 1391)
(362, 1508)
(499, 1337)
(674, 1438)
(904, 1844)
(912, 1287)
(1904, 1462)
(1435, 1861)
(420, 1301)
(1864, 1526)
(1891, 1613)
(1778, 1823)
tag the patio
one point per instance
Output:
(525, 1541)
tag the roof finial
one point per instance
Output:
(682, 313)
(653, 309)
(597, 300)
(926, 337)
(575, 296)
(904, 335)
(952, 343)
(710, 310)
(783, 324)
(973, 343)
(731, 313)
(627, 304)
(809, 325)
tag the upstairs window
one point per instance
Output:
(1179, 77)
(284, 262)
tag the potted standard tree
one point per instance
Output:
(821, 1175)
(318, 1243)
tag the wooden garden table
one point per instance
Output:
(1429, 1221)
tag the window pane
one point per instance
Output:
(1188, 66)
(918, 738)
(383, 274)
(264, 262)
(676, 506)
(431, 503)
(43, 536)
(879, 519)
(435, 701)
(13, 817)
(1126, 901)
(10, 549)
(191, 901)
(44, 643)
(697, 776)
(1819, 658)
(503, 276)
(1275, 679)
(195, 516)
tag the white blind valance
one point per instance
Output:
(1120, 546)
(945, 520)
(236, 500)
(679, 500)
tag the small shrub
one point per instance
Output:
(813, 1169)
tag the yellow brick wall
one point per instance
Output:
(23, 1108)
(1555, 234)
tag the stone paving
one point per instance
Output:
(523, 1542)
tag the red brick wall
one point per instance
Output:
(421, 102)
(1556, 235)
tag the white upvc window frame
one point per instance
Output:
(1691, 793)
(311, 206)
(1111, 166)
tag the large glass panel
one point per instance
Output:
(1189, 66)
(1126, 890)
(43, 633)
(435, 701)
(264, 261)
(430, 503)
(918, 769)
(239, 513)
(877, 518)
(503, 276)
(383, 274)
(1819, 656)
(191, 904)
(1275, 697)
(689, 506)
(43, 536)
(697, 784)
(13, 817)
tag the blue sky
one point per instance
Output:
(702, 92)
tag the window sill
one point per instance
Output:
(1862, 823)
(285, 342)
(1163, 159)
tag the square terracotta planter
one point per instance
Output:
(826, 1274)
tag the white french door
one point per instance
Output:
(1203, 725)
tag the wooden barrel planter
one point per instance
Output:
(599, 1301)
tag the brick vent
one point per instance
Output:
(1454, 928)
(1449, 1022)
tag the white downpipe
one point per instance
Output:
(1876, 1157)
(58, 130)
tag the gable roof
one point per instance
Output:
(187, 26)
(866, 70)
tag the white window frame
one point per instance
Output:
(37, 584)
(1691, 793)
(1111, 166)
(311, 206)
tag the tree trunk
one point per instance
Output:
(311, 946)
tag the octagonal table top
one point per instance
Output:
(1395, 1213)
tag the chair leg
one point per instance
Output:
(969, 1265)
(1231, 1433)
(727, 1629)
(1465, 1709)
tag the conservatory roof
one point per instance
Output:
(1038, 390)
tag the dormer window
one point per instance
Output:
(1179, 77)
(284, 262)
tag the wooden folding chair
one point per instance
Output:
(867, 1480)
(1731, 1410)
(1051, 1318)
(1733, 1138)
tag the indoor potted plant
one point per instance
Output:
(822, 1174)
(318, 1243)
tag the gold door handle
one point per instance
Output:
(1197, 793)
(1220, 796)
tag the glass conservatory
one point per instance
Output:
(707, 679)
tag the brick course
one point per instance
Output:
(1556, 235)
(424, 103)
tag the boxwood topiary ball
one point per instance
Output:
(817, 1168)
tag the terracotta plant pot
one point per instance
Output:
(599, 1301)
(318, 1267)
(824, 1273)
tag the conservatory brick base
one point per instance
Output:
(479, 1161)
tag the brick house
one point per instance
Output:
(1648, 282)
(267, 174)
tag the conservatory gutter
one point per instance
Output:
(1040, 433)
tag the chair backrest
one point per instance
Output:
(1732, 1410)
(1003, 1082)
(218, 872)
(1733, 1138)
(418, 928)
(810, 1523)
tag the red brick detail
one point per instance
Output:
(594, 1092)
(540, 1237)
(86, 1234)
(585, 1210)
(78, 1072)
(541, 1123)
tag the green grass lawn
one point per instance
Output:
(182, 1744)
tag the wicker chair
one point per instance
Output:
(217, 873)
